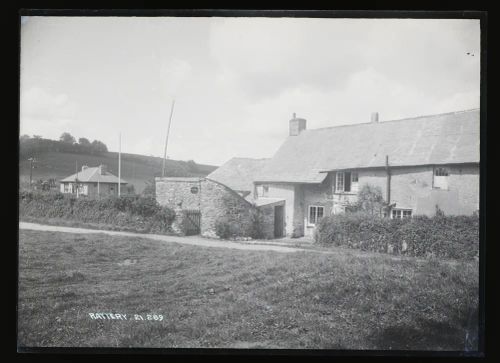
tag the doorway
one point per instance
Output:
(278, 221)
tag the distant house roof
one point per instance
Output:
(238, 173)
(92, 175)
(437, 139)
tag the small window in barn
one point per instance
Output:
(315, 214)
(354, 177)
(441, 178)
(401, 213)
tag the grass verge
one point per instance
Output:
(224, 298)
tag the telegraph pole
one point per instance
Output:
(31, 160)
(76, 178)
(166, 139)
(119, 162)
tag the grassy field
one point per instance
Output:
(211, 297)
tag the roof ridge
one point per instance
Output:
(396, 120)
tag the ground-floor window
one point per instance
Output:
(315, 214)
(401, 213)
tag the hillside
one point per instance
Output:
(136, 169)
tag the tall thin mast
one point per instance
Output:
(119, 162)
(76, 179)
(166, 139)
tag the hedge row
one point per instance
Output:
(132, 212)
(421, 236)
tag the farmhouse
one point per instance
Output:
(418, 163)
(95, 181)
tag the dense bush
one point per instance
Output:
(226, 229)
(256, 224)
(133, 212)
(440, 236)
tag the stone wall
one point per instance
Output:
(179, 193)
(220, 203)
(214, 200)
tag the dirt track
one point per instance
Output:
(188, 240)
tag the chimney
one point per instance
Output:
(102, 169)
(297, 125)
(374, 117)
(84, 167)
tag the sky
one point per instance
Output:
(236, 81)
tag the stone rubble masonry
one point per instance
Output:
(214, 200)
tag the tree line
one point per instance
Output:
(29, 146)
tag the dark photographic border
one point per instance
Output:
(419, 14)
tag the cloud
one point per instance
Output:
(268, 56)
(44, 112)
(174, 75)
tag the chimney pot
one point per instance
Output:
(297, 125)
(102, 169)
(374, 117)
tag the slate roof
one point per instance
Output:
(436, 139)
(238, 173)
(92, 175)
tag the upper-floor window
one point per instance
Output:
(441, 178)
(346, 181)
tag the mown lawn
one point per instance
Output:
(225, 298)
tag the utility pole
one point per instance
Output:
(119, 162)
(166, 139)
(76, 178)
(31, 160)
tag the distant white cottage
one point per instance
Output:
(96, 181)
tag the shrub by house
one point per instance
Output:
(441, 236)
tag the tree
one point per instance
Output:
(370, 200)
(99, 146)
(24, 137)
(67, 138)
(84, 141)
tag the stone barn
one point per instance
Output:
(200, 203)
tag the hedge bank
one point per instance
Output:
(139, 213)
(454, 237)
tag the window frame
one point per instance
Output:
(443, 174)
(337, 174)
(317, 208)
(401, 212)
(351, 181)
